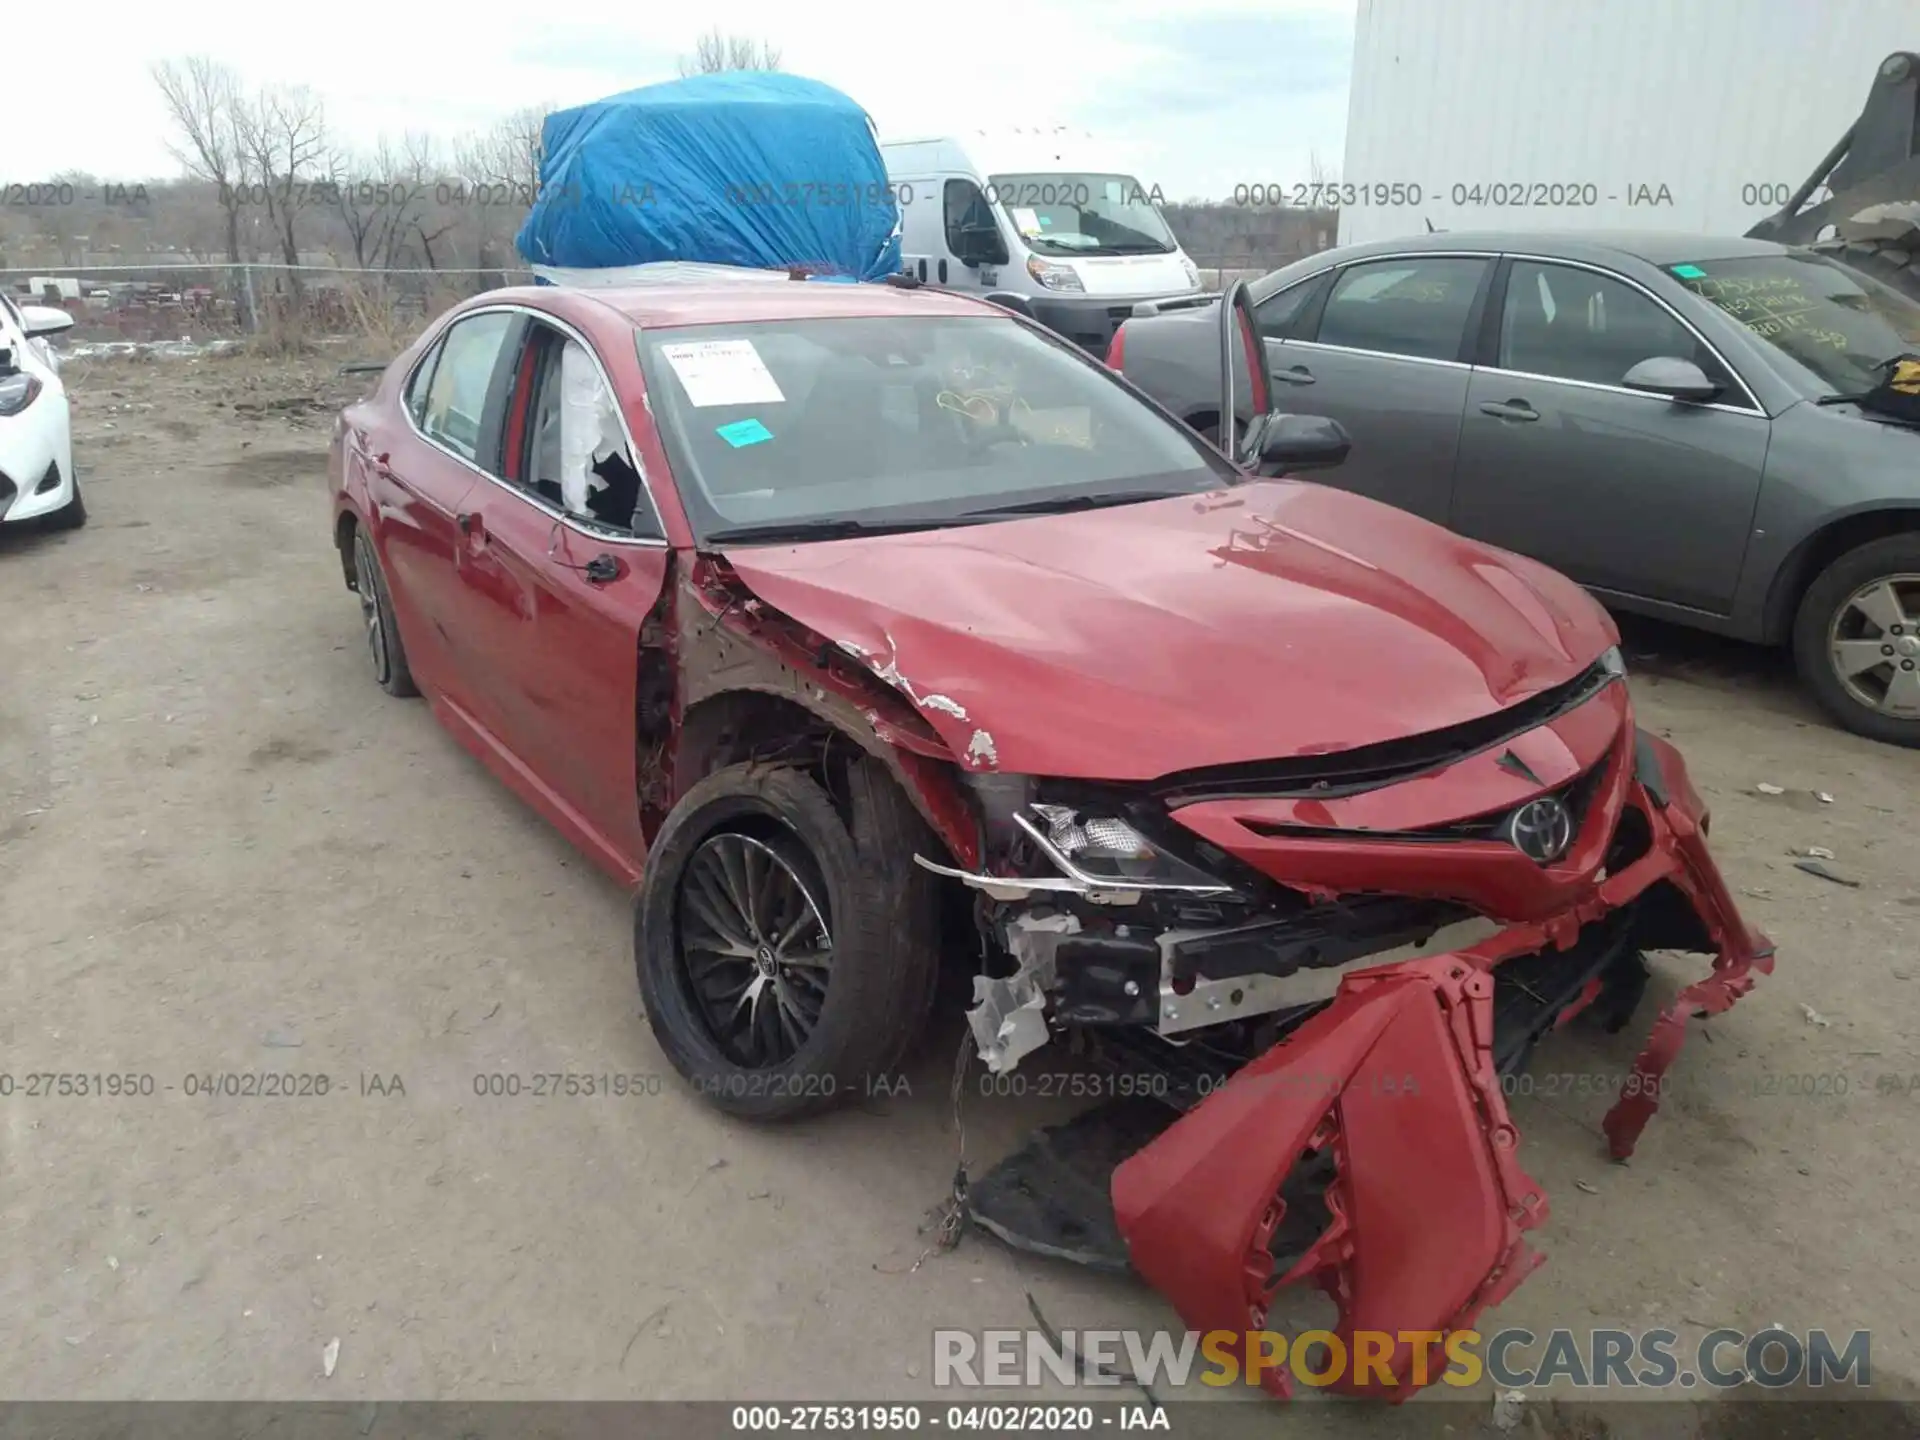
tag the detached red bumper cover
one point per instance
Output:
(1391, 1098)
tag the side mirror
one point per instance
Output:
(1007, 300)
(1288, 443)
(1672, 377)
(981, 245)
(38, 320)
(1243, 371)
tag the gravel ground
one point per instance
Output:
(222, 849)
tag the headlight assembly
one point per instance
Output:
(1098, 856)
(1613, 662)
(1107, 853)
(17, 391)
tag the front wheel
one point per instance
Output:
(72, 515)
(786, 955)
(1856, 639)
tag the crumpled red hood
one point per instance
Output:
(1275, 619)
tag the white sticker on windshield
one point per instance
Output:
(723, 372)
(1025, 220)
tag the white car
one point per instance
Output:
(36, 432)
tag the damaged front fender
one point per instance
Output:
(1420, 1224)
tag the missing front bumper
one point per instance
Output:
(1370, 1153)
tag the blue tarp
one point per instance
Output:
(751, 168)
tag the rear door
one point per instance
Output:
(1382, 347)
(1627, 492)
(417, 484)
(564, 558)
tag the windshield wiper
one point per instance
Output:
(1061, 504)
(1865, 402)
(795, 531)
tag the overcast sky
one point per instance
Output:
(1207, 94)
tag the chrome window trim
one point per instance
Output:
(1751, 408)
(1375, 354)
(1621, 390)
(539, 502)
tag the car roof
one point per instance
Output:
(663, 306)
(1655, 247)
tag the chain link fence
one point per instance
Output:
(200, 302)
(291, 306)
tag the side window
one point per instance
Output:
(1280, 313)
(972, 233)
(457, 393)
(1580, 325)
(1411, 306)
(421, 378)
(566, 442)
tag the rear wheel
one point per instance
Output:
(384, 650)
(786, 955)
(1856, 639)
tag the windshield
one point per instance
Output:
(1836, 322)
(908, 421)
(1082, 214)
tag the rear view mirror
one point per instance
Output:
(1288, 443)
(1672, 377)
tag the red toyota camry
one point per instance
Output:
(807, 610)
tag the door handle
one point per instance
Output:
(1297, 375)
(1510, 410)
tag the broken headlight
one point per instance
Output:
(1104, 851)
(1613, 662)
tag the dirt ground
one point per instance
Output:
(223, 849)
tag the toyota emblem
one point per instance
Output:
(1541, 830)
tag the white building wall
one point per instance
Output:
(1727, 104)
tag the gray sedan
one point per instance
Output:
(1673, 421)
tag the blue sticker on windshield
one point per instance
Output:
(744, 432)
(1689, 272)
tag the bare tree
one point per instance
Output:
(203, 101)
(283, 135)
(502, 165)
(375, 197)
(717, 51)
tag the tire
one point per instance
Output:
(1838, 607)
(70, 516)
(384, 648)
(876, 909)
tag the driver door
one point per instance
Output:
(1623, 491)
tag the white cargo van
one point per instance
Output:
(1043, 214)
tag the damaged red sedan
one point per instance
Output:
(851, 624)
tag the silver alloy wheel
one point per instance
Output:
(367, 585)
(1873, 644)
(754, 946)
